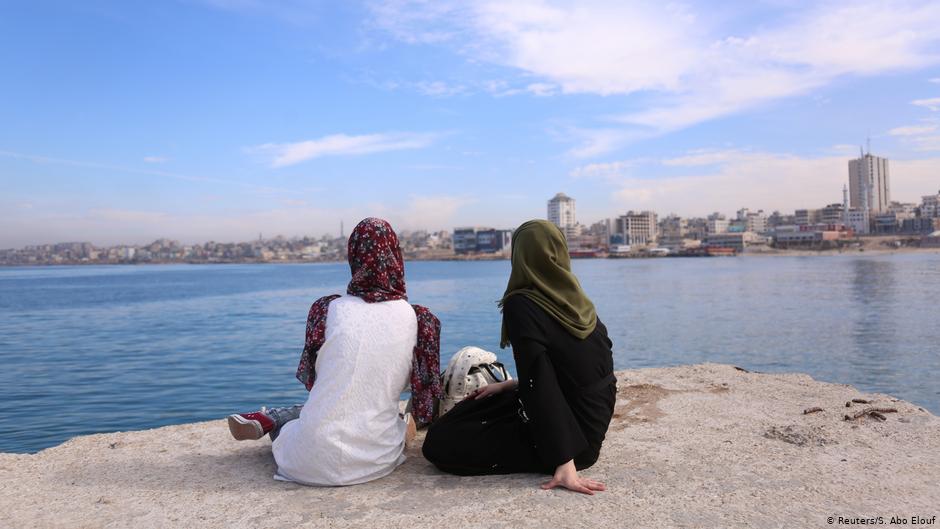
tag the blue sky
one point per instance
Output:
(219, 119)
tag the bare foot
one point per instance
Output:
(411, 430)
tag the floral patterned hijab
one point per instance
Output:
(378, 270)
(378, 274)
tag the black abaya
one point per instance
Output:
(560, 410)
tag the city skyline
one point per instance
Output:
(216, 119)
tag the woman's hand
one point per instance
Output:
(566, 476)
(492, 389)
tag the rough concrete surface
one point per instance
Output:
(694, 446)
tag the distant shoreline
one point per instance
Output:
(474, 258)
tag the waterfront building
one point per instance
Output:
(714, 226)
(561, 213)
(755, 222)
(859, 221)
(672, 230)
(869, 183)
(673, 226)
(809, 235)
(476, 239)
(779, 219)
(593, 239)
(696, 228)
(601, 229)
(920, 225)
(805, 217)
(885, 223)
(832, 214)
(736, 241)
(637, 228)
(465, 240)
(716, 223)
(930, 206)
(903, 210)
(492, 240)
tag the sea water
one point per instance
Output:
(105, 348)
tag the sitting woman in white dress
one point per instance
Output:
(361, 351)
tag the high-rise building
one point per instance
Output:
(869, 184)
(561, 213)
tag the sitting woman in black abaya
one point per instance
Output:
(553, 418)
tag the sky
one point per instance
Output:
(125, 121)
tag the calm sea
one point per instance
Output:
(106, 348)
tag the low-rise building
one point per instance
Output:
(637, 228)
(465, 240)
(805, 217)
(859, 221)
(736, 241)
(786, 239)
(885, 224)
(832, 214)
(716, 224)
(920, 225)
(477, 239)
(492, 241)
(930, 206)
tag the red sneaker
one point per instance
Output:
(249, 425)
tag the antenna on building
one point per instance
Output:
(868, 142)
(341, 234)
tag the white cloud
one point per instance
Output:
(932, 103)
(927, 143)
(935, 80)
(912, 130)
(683, 60)
(284, 154)
(48, 160)
(593, 142)
(430, 212)
(541, 89)
(606, 170)
(155, 159)
(440, 88)
(700, 157)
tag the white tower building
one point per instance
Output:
(869, 183)
(561, 213)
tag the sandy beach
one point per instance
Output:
(693, 446)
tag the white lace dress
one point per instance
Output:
(349, 430)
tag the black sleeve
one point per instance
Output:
(555, 431)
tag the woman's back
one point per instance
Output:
(349, 430)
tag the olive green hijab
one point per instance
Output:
(541, 271)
